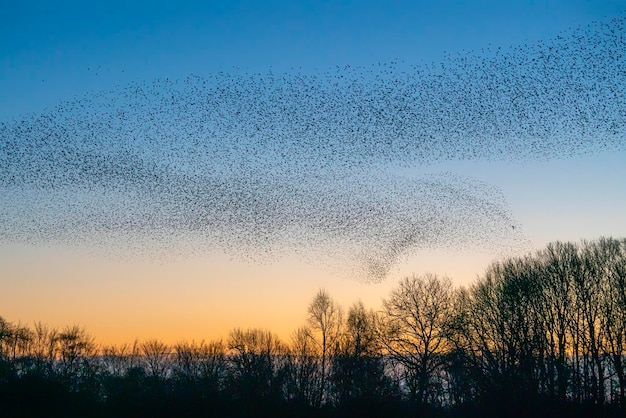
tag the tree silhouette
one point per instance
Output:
(559, 264)
(157, 358)
(305, 372)
(256, 359)
(611, 258)
(358, 368)
(325, 320)
(415, 327)
(540, 335)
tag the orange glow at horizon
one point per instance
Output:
(185, 300)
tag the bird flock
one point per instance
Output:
(263, 166)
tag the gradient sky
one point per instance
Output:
(56, 51)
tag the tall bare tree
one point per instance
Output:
(414, 328)
(358, 373)
(589, 294)
(502, 331)
(560, 263)
(325, 320)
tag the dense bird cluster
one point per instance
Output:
(260, 165)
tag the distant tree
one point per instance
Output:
(201, 364)
(414, 328)
(6, 335)
(504, 331)
(605, 260)
(559, 264)
(119, 360)
(157, 358)
(612, 254)
(325, 320)
(358, 370)
(589, 287)
(257, 372)
(462, 365)
(43, 350)
(198, 379)
(304, 368)
(76, 350)
(18, 341)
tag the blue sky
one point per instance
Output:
(67, 43)
(53, 52)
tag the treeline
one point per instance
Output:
(543, 335)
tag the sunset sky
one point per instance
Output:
(53, 52)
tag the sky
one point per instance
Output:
(556, 172)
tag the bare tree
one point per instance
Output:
(157, 358)
(257, 366)
(119, 360)
(559, 264)
(76, 350)
(505, 331)
(589, 292)
(8, 339)
(325, 320)
(609, 258)
(203, 363)
(358, 370)
(6, 333)
(304, 367)
(414, 328)
(43, 347)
